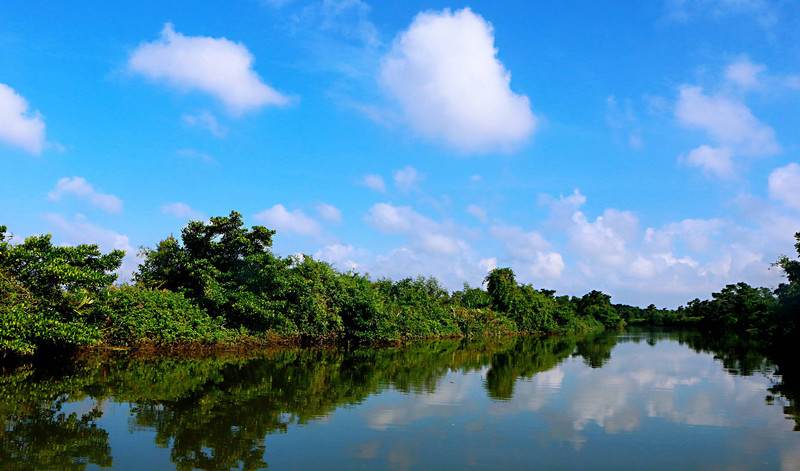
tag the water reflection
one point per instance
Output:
(614, 397)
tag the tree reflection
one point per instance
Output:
(215, 413)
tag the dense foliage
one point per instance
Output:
(219, 284)
(771, 316)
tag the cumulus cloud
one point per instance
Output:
(745, 74)
(730, 123)
(428, 235)
(83, 190)
(697, 235)
(373, 182)
(444, 73)
(727, 120)
(18, 126)
(748, 76)
(670, 264)
(714, 160)
(784, 185)
(605, 238)
(295, 222)
(388, 218)
(407, 178)
(182, 211)
(529, 251)
(217, 66)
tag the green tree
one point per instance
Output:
(62, 279)
(224, 267)
(598, 305)
(47, 292)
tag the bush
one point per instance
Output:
(25, 326)
(139, 316)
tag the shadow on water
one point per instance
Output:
(214, 413)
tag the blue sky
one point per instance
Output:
(648, 150)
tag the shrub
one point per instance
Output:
(139, 316)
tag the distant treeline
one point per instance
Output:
(220, 285)
(771, 316)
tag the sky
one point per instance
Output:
(645, 149)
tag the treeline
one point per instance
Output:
(220, 285)
(771, 316)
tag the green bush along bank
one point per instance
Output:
(219, 284)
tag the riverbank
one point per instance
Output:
(221, 287)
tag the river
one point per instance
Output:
(634, 399)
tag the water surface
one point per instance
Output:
(630, 400)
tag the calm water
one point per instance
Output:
(633, 400)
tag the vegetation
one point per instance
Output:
(220, 285)
(772, 317)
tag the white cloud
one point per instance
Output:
(281, 220)
(339, 255)
(745, 74)
(784, 185)
(444, 73)
(713, 160)
(374, 182)
(83, 190)
(478, 212)
(388, 218)
(329, 212)
(488, 264)
(407, 178)
(561, 209)
(748, 76)
(529, 251)
(182, 211)
(697, 235)
(428, 235)
(205, 120)
(19, 127)
(217, 66)
(81, 231)
(442, 244)
(604, 239)
(727, 120)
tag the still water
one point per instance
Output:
(621, 400)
